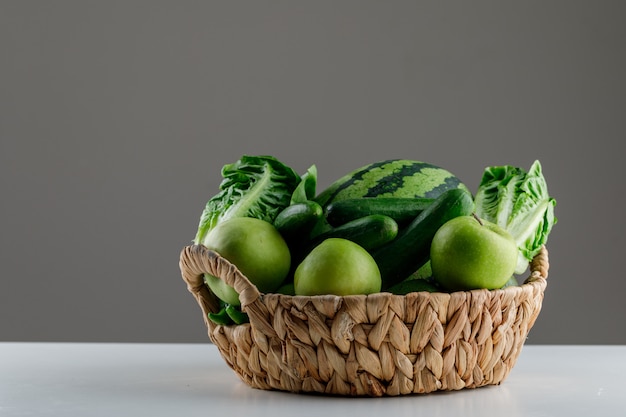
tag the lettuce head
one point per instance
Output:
(518, 201)
(253, 186)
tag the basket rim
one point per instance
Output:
(197, 259)
(538, 270)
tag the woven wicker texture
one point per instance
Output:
(375, 345)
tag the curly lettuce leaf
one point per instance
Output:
(518, 201)
(254, 186)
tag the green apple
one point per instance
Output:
(256, 248)
(468, 253)
(337, 266)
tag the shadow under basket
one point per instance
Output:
(369, 345)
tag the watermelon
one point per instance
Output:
(391, 178)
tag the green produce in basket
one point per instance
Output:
(256, 248)
(468, 253)
(369, 232)
(337, 266)
(254, 186)
(297, 220)
(413, 285)
(518, 201)
(410, 250)
(221, 317)
(228, 315)
(391, 178)
(387, 179)
(401, 210)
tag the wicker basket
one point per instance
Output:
(375, 345)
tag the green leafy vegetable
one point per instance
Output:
(236, 315)
(221, 317)
(307, 187)
(519, 202)
(254, 186)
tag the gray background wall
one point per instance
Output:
(116, 117)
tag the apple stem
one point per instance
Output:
(477, 219)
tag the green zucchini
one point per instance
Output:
(402, 210)
(297, 220)
(411, 248)
(370, 232)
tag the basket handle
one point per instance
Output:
(539, 266)
(196, 260)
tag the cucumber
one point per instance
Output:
(370, 232)
(411, 248)
(297, 220)
(402, 210)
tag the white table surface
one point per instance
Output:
(100, 379)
